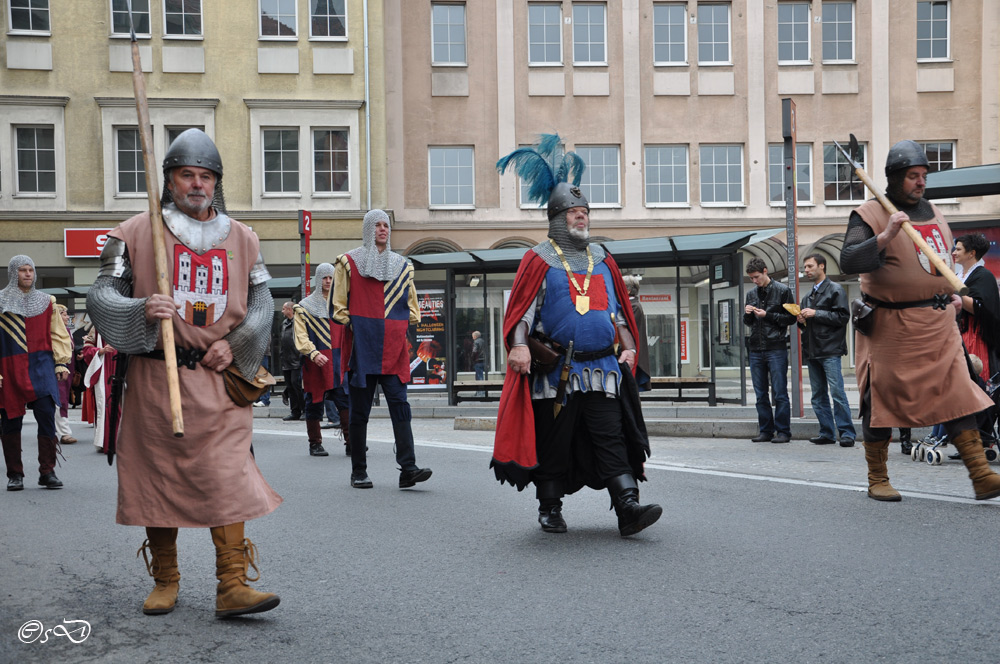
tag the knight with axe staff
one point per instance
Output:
(188, 263)
(910, 364)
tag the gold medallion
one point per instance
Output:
(582, 304)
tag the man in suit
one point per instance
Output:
(823, 322)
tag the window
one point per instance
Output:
(544, 34)
(838, 32)
(129, 164)
(721, 174)
(600, 179)
(36, 160)
(277, 18)
(940, 155)
(281, 161)
(588, 34)
(174, 132)
(793, 32)
(29, 15)
(140, 17)
(669, 33)
(448, 34)
(932, 30)
(839, 181)
(666, 175)
(331, 150)
(713, 34)
(327, 18)
(776, 173)
(182, 18)
(451, 178)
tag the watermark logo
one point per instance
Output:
(76, 631)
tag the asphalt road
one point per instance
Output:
(765, 553)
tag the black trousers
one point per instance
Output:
(293, 383)
(584, 444)
(954, 427)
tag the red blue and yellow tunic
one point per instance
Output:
(32, 351)
(319, 335)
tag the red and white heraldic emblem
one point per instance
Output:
(932, 236)
(201, 285)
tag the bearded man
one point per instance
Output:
(577, 422)
(35, 351)
(911, 368)
(319, 340)
(222, 313)
(373, 294)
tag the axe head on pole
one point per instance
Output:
(851, 156)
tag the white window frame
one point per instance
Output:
(16, 148)
(592, 168)
(780, 165)
(34, 33)
(684, 31)
(701, 176)
(686, 203)
(329, 38)
(298, 159)
(309, 115)
(464, 62)
(841, 162)
(430, 179)
(835, 61)
(164, 114)
(127, 34)
(545, 63)
(312, 173)
(195, 37)
(260, 23)
(925, 144)
(604, 35)
(729, 35)
(140, 192)
(947, 56)
(794, 43)
(32, 112)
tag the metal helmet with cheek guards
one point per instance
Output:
(565, 196)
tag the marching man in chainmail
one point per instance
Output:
(222, 312)
(576, 422)
(373, 294)
(911, 368)
(35, 351)
(319, 340)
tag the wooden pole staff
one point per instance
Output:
(942, 267)
(156, 222)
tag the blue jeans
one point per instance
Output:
(266, 397)
(827, 380)
(480, 368)
(770, 369)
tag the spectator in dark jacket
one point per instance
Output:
(291, 364)
(823, 322)
(767, 342)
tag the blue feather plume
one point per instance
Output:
(543, 166)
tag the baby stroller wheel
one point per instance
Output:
(991, 454)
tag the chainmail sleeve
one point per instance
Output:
(120, 318)
(860, 252)
(249, 339)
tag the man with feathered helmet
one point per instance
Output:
(576, 421)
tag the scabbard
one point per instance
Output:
(112, 415)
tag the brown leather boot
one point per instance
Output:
(315, 435)
(233, 553)
(161, 543)
(12, 453)
(985, 482)
(345, 430)
(877, 454)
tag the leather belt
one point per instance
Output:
(939, 301)
(581, 355)
(186, 357)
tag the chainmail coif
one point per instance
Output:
(316, 304)
(574, 249)
(16, 301)
(372, 263)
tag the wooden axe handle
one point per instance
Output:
(908, 228)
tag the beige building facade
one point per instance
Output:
(290, 90)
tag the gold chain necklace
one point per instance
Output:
(582, 299)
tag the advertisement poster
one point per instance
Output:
(426, 341)
(685, 358)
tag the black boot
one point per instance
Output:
(632, 517)
(549, 493)
(905, 446)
